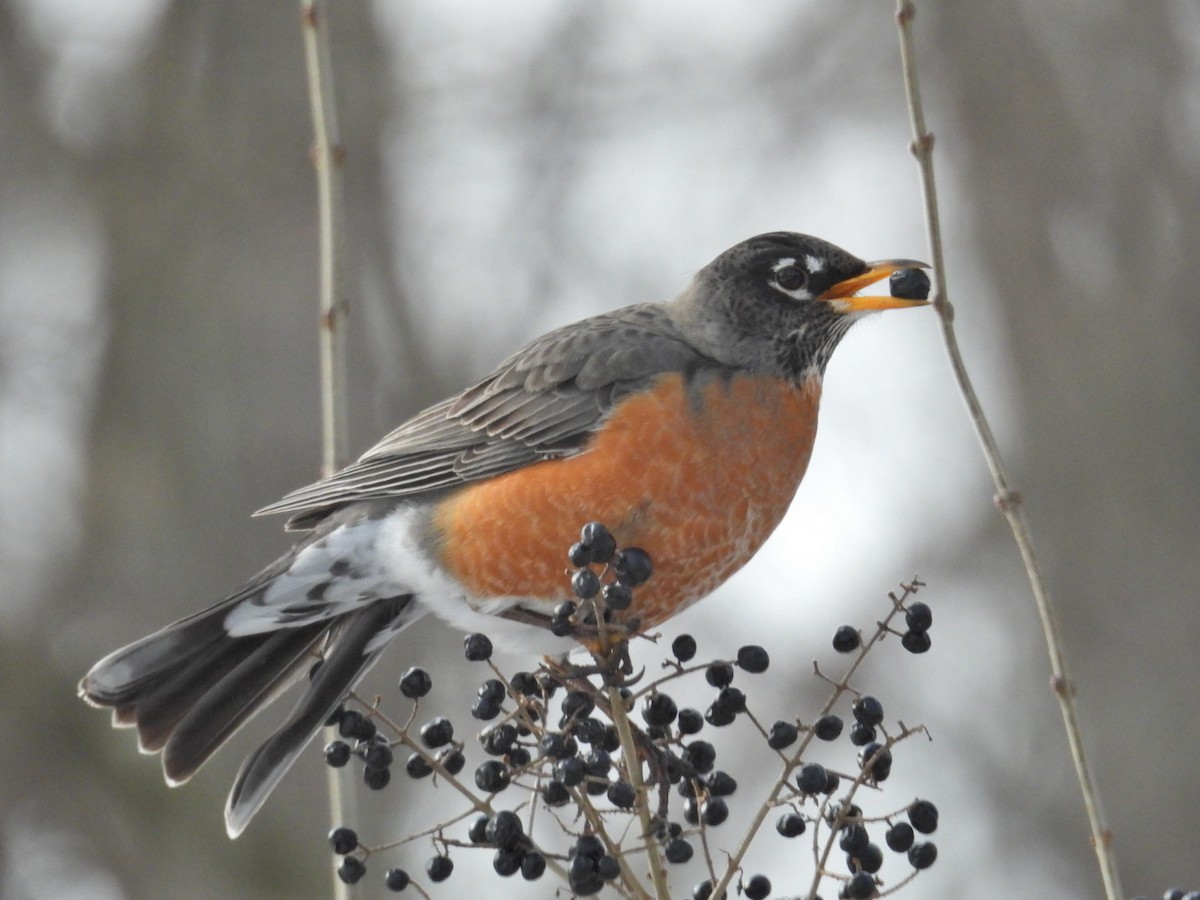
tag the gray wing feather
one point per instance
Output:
(541, 403)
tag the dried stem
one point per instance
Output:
(792, 761)
(326, 157)
(633, 767)
(1008, 499)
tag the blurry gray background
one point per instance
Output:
(512, 167)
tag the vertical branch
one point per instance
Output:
(1008, 499)
(633, 766)
(327, 156)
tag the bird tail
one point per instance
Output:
(188, 687)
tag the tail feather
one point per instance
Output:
(160, 708)
(190, 686)
(208, 714)
(356, 647)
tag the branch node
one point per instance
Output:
(1008, 500)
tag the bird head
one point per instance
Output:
(779, 303)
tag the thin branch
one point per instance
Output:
(793, 760)
(327, 156)
(1008, 499)
(633, 767)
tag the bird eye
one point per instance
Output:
(790, 278)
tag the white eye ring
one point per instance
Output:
(785, 280)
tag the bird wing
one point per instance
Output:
(543, 402)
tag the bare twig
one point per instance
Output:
(1008, 499)
(793, 760)
(327, 154)
(326, 157)
(633, 767)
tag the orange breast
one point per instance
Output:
(698, 479)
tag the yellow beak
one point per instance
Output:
(841, 295)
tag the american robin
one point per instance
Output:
(684, 426)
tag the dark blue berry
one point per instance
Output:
(716, 811)
(588, 730)
(900, 837)
(617, 596)
(791, 825)
(377, 779)
(587, 846)
(782, 734)
(869, 859)
(828, 727)
(499, 739)
(918, 617)
(632, 566)
(378, 755)
(533, 865)
(439, 868)
(555, 793)
(485, 709)
(356, 726)
(492, 776)
(504, 829)
(621, 794)
(854, 839)
(690, 720)
(414, 683)
(757, 888)
(417, 766)
(753, 659)
(478, 830)
(351, 870)
(719, 674)
(585, 584)
(396, 879)
(580, 554)
(659, 709)
(683, 648)
(867, 710)
(608, 867)
(577, 704)
(525, 684)
(478, 648)
(337, 753)
(719, 716)
(876, 761)
(437, 732)
(924, 816)
(916, 641)
(507, 861)
(860, 887)
(598, 762)
(909, 284)
(570, 771)
(922, 856)
(601, 541)
(812, 778)
(861, 735)
(721, 784)
(701, 755)
(343, 840)
(846, 639)
(678, 850)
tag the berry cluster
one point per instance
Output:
(598, 752)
